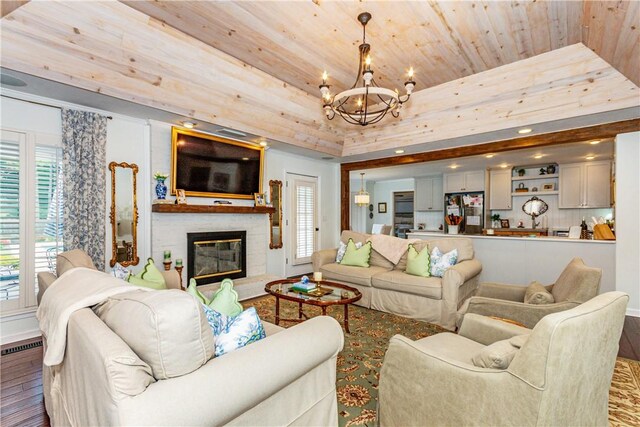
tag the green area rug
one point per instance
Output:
(360, 361)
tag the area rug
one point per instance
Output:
(360, 361)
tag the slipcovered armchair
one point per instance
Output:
(577, 283)
(560, 375)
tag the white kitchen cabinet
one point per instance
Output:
(464, 182)
(429, 194)
(585, 185)
(500, 189)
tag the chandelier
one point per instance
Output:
(362, 197)
(366, 102)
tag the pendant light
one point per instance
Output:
(362, 198)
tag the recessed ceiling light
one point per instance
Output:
(590, 157)
(453, 166)
(504, 165)
(188, 125)
(263, 143)
(525, 130)
(490, 156)
(595, 141)
(538, 156)
(399, 151)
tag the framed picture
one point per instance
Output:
(504, 223)
(181, 198)
(548, 187)
(259, 199)
(382, 208)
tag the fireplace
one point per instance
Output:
(217, 255)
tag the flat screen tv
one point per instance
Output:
(210, 166)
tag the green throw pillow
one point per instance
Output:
(357, 257)
(418, 264)
(193, 290)
(225, 299)
(149, 277)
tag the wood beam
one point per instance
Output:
(8, 6)
(603, 131)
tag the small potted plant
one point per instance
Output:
(495, 221)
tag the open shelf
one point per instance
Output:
(212, 209)
(535, 193)
(530, 177)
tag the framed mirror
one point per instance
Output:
(534, 207)
(124, 214)
(275, 218)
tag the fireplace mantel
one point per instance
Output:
(212, 209)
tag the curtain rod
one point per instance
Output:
(39, 103)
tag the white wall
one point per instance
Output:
(383, 192)
(277, 165)
(628, 218)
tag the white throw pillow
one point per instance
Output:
(233, 332)
(441, 262)
(342, 248)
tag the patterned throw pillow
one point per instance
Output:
(233, 332)
(342, 249)
(441, 262)
(119, 272)
(418, 263)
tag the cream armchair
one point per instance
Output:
(577, 283)
(560, 376)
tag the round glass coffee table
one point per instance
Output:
(334, 294)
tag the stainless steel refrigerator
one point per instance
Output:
(469, 206)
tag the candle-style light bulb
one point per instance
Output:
(410, 73)
(367, 61)
(359, 102)
(324, 76)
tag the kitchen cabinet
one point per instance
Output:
(429, 194)
(464, 181)
(585, 185)
(500, 189)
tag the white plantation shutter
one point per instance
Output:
(304, 220)
(9, 219)
(48, 207)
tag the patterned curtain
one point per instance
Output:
(84, 138)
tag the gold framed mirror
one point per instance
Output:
(275, 218)
(124, 214)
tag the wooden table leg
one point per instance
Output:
(277, 310)
(324, 310)
(346, 318)
(299, 310)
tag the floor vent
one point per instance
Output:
(21, 348)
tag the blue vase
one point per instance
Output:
(161, 189)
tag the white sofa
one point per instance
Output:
(287, 378)
(386, 287)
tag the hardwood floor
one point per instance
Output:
(21, 402)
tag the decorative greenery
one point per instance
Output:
(495, 217)
(160, 175)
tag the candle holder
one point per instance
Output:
(167, 265)
(179, 270)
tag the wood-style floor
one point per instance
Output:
(21, 402)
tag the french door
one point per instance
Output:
(303, 217)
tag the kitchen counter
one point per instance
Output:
(521, 260)
(420, 234)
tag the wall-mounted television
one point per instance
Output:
(211, 166)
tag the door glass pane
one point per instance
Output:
(9, 220)
(305, 224)
(48, 207)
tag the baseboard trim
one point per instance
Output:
(25, 335)
(633, 312)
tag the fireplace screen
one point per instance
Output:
(215, 256)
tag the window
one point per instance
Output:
(31, 214)
(304, 218)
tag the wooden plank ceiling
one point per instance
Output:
(443, 40)
(254, 66)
